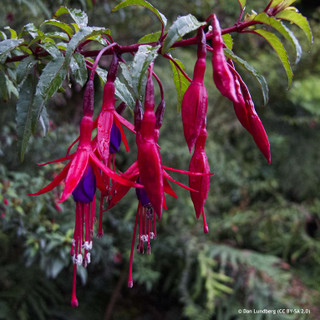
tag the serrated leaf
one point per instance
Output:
(24, 114)
(278, 47)
(24, 68)
(285, 32)
(142, 59)
(298, 19)
(145, 4)
(256, 75)
(242, 3)
(179, 28)
(58, 35)
(52, 49)
(79, 68)
(31, 30)
(227, 39)
(65, 27)
(78, 16)
(121, 91)
(81, 36)
(125, 68)
(6, 46)
(180, 82)
(50, 81)
(151, 37)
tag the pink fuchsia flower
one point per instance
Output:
(200, 183)
(75, 169)
(195, 100)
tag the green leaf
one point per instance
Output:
(82, 35)
(32, 30)
(79, 68)
(242, 3)
(3, 35)
(11, 88)
(179, 28)
(49, 82)
(299, 20)
(227, 39)
(288, 34)
(78, 16)
(256, 75)
(145, 4)
(6, 46)
(152, 37)
(24, 68)
(121, 91)
(279, 49)
(58, 35)
(13, 33)
(284, 3)
(180, 82)
(3, 86)
(52, 49)
(65, 27)
(24, 114)
(142, 59)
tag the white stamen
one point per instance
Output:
(73, 242)
(144, 238)
(88, 257)
(77, 260)
(87, 245)
(151, 235)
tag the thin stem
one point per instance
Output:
(176, 64)
(159, 83)
(98, 58)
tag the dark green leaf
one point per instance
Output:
(78, 16)
(24, 68)
(142, 59)
(52, 49)
(49, 82)
(288, 34)
(152, 37)
(179, 28)
(65, 27)
(121, 91)
(180, 82)
(24, 114)
(256, 75)
(79, 68)
(299, 20)
(279, 49)
(3, 87)
(82, 35)
(145, 4)
(58, 35)
(31, 30)
(6, 46)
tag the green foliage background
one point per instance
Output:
(263, 249)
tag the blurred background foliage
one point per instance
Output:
(263, 249)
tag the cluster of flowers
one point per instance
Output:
(92, 165)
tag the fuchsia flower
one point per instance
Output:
(200, 183)
(247, 115)
(195, 100)
(222, 76)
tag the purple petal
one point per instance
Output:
(115, 139)
(142, 196)
(86, 188)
